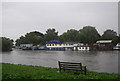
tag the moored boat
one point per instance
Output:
(117, 47)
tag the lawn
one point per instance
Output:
(17, 71)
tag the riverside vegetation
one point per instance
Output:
(86, 35)
(17, 71)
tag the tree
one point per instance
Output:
(110, 35)
(7, 44)
(69, 36)
(34, 38)
(89, 35)
(51, 35)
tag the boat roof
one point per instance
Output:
(104, 41)
(53, 43)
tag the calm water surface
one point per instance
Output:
(100, 61)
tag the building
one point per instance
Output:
(104, 45)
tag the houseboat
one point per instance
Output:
(81, 47)
(104, 45)
(59, 46)
(26, 46)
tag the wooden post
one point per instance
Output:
(81, 68)
(85, 70)
(59, 65)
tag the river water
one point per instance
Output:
(100, 61)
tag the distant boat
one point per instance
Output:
(42, 48)
(68, 50)
(117, 47)
(39, 48)
(26, 46)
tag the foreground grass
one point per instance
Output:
(17, 71)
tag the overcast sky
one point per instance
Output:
(19, 18)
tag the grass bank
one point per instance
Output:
(17, 71)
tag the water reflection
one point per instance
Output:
(101, 61)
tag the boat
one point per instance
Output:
(39, 48)
(117, 47)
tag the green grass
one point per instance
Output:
(0, 71)
(17, 71)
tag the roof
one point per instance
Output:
(104, 41)
(53, 43)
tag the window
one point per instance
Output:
(80, 47)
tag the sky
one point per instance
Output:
(19, 18)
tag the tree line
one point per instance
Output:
(86, 35)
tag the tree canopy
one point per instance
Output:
(69, 36)
(51, 35)
(34, 38)
(110, 35)
(89, 35)
(86, 35)
(6, 44)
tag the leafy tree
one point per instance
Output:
(69, 36)
(7, 44)
(110, 35)
(51, 35)
(63, 37)
(89, 35)
(35, 33)
(34, 38)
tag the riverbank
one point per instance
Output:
(17, 71)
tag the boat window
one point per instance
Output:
(82, 47)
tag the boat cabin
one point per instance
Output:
(58, 46)
(104, 45)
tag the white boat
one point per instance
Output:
(117, 47)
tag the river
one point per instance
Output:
(99, 61)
